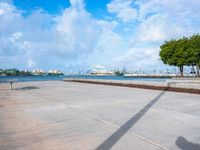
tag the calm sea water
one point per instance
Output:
(4, 79)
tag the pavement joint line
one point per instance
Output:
(114, 126)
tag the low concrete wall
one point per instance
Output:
(185, 80)
(192, 83)
(170, 85)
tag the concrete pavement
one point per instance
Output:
(57, 115)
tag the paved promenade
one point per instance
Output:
(58, 115)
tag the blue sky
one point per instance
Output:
(74, 34)
(56, 6)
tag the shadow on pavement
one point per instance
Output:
(27, 88)
(113, 139)
(184, 144)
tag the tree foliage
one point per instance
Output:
(182, 52)
(14, 72)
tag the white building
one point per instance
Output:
(102, 71)
(54, 71)
(38, 71)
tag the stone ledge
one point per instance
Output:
(166, 86)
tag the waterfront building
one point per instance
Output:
(54, 71)
(38, 72)
(102, 71)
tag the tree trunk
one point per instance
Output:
(197, 70)
(181, 70)
(193, 69)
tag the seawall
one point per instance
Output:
(186, 86)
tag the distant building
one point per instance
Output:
(38, 72)
(102, 71)
(54, 71)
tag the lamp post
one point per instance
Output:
(11, 83)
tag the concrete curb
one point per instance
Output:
(142, 85)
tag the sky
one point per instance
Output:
(73, 34)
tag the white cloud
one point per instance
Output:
(15, 37)
(78, 29)
(150, 7)
(78, 4)
(31, 63)
(139, 58)
(152, 30)
(161, 20)
(76, 38)
(1, 12)
(42, 38)
(123, 10)
(108, 40)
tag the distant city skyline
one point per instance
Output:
(72, 34)
(102, 70)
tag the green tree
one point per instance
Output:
(170, 54)
(11, 72)
(195, 52)
(175, 53)
(182, 52)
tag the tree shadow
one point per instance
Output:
(184, 144)
(114, 138)
(27, 88)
